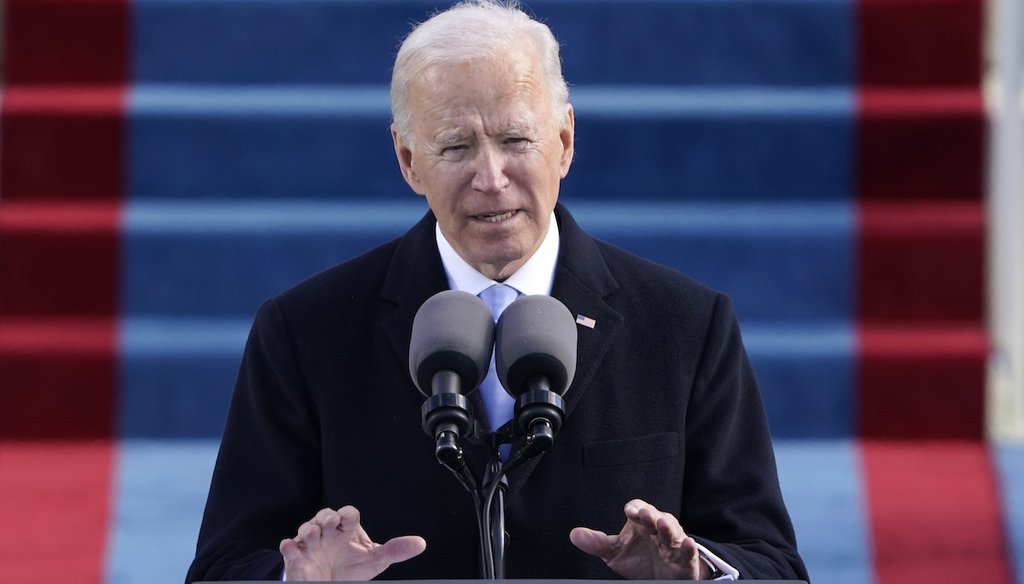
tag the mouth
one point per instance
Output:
(495, 217)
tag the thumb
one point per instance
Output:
(401, 549)
(289, 550)
(593, 542)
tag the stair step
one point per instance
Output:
(910, 486)
(49, 483)
(925, 381)
(177, 376)
(781, 42)
(822, 483)
(63, 143)
(653, 143)
(918, 43)
(921, 262)
(59, 259)
(777, 261)
(59, 379)
(66, 41)
(745, 143)
(921, 144)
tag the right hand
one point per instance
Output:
(334, 546)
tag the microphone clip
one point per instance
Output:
(538, 417)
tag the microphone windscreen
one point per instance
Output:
(536, 335)
(452, 331)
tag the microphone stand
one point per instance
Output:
(495, 485)
(539, 414)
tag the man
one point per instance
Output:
(665, 434)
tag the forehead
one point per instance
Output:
(504, 89)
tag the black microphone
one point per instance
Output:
(535, 358)
(450, 350)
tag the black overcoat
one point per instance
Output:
(664, 407)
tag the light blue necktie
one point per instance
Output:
(497, 401)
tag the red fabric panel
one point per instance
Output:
(59, 260)
(923, 383)
(61, 143)
(58, 379)
(921, 262)
(66, 41)
(935, 514)
(915, 43)
(921, 144)
(54, 508)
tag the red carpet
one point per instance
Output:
(934, 513)
(62, 158)
(55, 510)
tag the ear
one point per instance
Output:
(567, 136)
(404, 154)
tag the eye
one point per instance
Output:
(454, 150)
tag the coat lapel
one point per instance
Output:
(583, 283)
(416, 273)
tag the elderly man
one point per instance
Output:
(665, 444)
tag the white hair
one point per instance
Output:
(468, 31)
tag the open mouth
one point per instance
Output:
(495, 217)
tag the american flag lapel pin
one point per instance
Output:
(585, 321)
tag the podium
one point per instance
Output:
(516, 582)
(525, 581)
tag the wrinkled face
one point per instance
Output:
(488, 154)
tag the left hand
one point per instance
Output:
(651, 546)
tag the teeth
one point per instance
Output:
(495, 218)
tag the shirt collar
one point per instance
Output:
(536, 276)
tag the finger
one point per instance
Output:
(670, 532)
(351, 523)
(644, 516)
(330, 523)
(349, 516)
(323, 516)
(289, 550)
(309, 531)
(593, 542)
(691, 552)
(401, 549)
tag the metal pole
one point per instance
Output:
(1005, 99)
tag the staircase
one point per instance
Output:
(165, 165)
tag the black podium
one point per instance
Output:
(516, 581)
(529, 581)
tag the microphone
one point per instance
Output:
(449, 352)
(535, 358)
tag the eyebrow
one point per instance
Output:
(450, 137)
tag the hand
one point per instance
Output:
(651, 546)
(334, 546)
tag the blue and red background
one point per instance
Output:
(167, 164)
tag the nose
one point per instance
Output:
(489, 172)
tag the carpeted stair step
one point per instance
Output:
(177, 374)
(921, 144)
(921, 262)
(782, 42)
(836, 491)
(62, 143)
(59, 379)
(208, 259)
(920, 43)
(923, 381)
(59, 259)
(66, 42)
(176, 377)
(649, 143)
